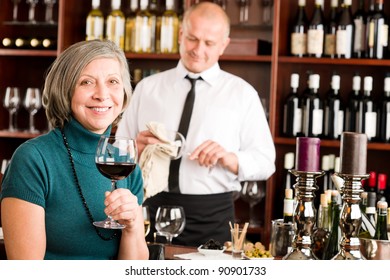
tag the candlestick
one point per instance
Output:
(353, 157)
(308, 154)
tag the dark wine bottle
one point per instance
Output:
(381, 223)
(378, 33)
(384, 113)
(330, 31)
(299, 31)
(312, 109)
(315, 32)
(345, 32)
(334, 111)
(367, 115)
(359, 18)
(382, 185)
(363, 201)
(353, 105)
(322, 230)
(292, 122)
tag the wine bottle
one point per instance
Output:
(288, 165)
(334, 111)
(115, 24)
(359, 18)
(169, 29)
(322, 231)
(381, 223)
(384, 113)
(353, 105)
(299, 31)
(288, 206)
(145, 29)
(292, 122)
(382, 185)
(95, 22)
(130, 26)
(315, 32)
(312, 109)
(332, 245)
(345, 32)
(156, 10)
(330, 31)
(367, 115)
(371, 207)
(378, 32)
(363, 201)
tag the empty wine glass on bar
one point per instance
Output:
(170, 221)
(252, 192)
(115, 158)
(15, 10)
(31, 10)
(32, 103)
(12, 103)
(49, 11)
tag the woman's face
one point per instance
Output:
(99, 94)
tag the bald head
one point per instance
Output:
(209, 11)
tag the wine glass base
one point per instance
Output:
(109, 225)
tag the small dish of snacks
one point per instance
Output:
(211, 248)
(256, 252)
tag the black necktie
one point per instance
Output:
(173, 181)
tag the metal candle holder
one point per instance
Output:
(304, 215)
(351, 217)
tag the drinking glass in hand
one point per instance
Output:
(116, 158)
(170, 221)
(32, 103)
(146, 214)
(12, 103)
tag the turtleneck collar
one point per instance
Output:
(79, 138)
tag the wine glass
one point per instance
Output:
(32, 103)
(49, 11)
(15, 10)
(31, 10)
(115, 158)
(146, 214)
(252, 192)
(12, 103)
(170, 221)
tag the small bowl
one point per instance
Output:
(210, 252)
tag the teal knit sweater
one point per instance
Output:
(40, 172)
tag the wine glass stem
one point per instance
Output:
(11, 121)
(32, 128)
(169, 239)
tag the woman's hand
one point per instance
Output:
(122, 206)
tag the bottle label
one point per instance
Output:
(371, 34)
(315, 43)
(167, 34)
(384, 33)
(317, 121)
(288, 207)
(387, 133)
(94, 28)
(298, 44)
(297, 125)
(370, 124)
(330, 44)
(359, 35)
(340, 123)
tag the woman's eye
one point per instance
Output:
(86, 82)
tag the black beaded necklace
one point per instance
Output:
(76, 179)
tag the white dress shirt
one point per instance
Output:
(227, 110)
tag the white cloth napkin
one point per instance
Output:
(155, 160)
(199, 256)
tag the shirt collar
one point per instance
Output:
(210, 75)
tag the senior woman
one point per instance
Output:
(52, 190)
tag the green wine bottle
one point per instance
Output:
(381, 221)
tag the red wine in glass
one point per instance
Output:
(115, 171)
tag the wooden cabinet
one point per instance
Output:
(268, 73)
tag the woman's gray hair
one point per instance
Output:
(65, 71)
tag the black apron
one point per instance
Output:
(207, 216)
